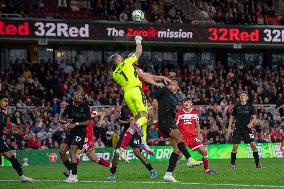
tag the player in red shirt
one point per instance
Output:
(89, 141)
(188, 124)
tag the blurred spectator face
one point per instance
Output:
(4, 103)
(244, 97)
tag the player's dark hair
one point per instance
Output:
(243, 92)
(112, 59)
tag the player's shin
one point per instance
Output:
(127, 137)
(103, 162)
(256, 158)
(183, 150)
(16, 165)
(172, 163)
(233, 158)
(142, 122)
(144, 130)
(205, 162)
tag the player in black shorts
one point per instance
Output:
(75, 118)
(244, 115)
(125, 121)
(167, 102)
(4, 149)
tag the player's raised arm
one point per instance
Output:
(148, 78)
(138, 52)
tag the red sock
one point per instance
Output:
(126, 139)
(104, 162)
(205, 162)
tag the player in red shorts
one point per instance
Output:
(188, 124)
(89, 141)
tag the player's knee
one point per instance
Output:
(235, 148)
(62, 151)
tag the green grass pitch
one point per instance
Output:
(135, 176)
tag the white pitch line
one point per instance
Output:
(160, 182)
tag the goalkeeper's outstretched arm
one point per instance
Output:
(138, 52)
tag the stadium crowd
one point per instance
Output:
(38, 92)
(119, 10)
(239, 11)
(160, 11)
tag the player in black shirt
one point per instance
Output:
(167, 102)
(244, 115)
(4, 149)
(75, 118)
(125, 121)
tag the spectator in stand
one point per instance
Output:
(99, 143)
(34, 142)
(109, 135)
(62, 4)
(74, 5)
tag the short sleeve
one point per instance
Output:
(131, 60)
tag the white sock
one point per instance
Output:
(169, 174)
(189, 160)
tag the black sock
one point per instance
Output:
(74, 168)
(233, 158)
(173, 162)
(149, 167)
(113, 170)
(67, 164)
(256, 158)
(16, 165)
(183, 150)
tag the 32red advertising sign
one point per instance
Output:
(62, 30)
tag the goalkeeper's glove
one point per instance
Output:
(138, 39)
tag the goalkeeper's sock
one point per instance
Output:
(256, 158)
(183, 150)
(233, 158)
(127, 137)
